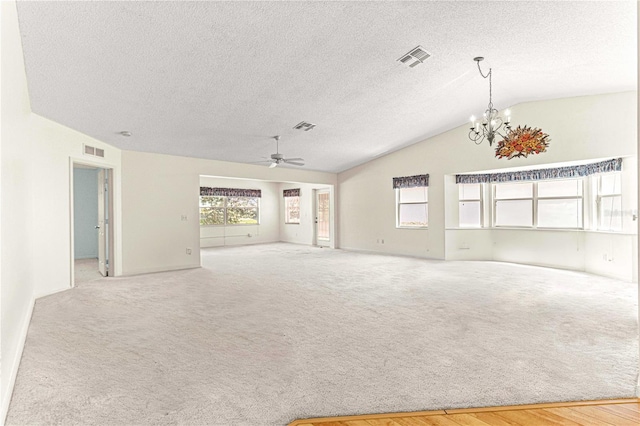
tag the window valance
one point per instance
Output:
(230, 192)
(613, 165)
(410, 181)
(295, 192)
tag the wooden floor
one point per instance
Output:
(619, 412)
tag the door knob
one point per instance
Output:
(97, 226)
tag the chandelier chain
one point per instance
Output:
(490, 83)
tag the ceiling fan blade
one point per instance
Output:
(295, 163)
(273, 164)
(294, 159)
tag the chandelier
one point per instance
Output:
(492, 123)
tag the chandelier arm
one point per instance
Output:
(476, 137)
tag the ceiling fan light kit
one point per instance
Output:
(519, 143)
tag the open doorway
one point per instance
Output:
(91, 224)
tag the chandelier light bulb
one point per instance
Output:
(473, 119)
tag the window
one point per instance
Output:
(412, 206)
(544, 204)
(212, 210)
(551, 198)
(229, 210)
(291, 205)
(560, 204)
(292, 209)
(513, 204)
(609, 202)
(470, 207)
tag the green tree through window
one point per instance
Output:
(220, 210)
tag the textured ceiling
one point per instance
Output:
(218, 79)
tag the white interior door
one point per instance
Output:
(101, 226)
(323, 218)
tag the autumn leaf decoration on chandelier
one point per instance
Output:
(519, 142)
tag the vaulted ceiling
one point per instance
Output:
(218, 79)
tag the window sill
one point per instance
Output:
(292, 223)
(412, 227)
(504, 228)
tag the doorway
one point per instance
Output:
(323, 218)
(91, 224)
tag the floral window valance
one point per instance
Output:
(295, 192)
(230, 192)
(410, 181)
(613, 165)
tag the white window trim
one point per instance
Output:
(599, 197)
(398, 203)
(480, 199)
(534, 199)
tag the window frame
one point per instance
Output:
(599, 197)
(286, 211)
(225, 207)
(398, 204)
(480, 200)
(495, 206)
(583, 184)
(535, 198)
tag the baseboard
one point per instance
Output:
(13, 370)
(386, 253)
(143, 271)
(49, 293)
(384, 418)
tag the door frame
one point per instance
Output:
(113, 247)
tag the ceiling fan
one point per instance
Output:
(278, 158)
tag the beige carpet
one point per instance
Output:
(269, 333)
(85, 270)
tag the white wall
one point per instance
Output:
(36, 171)
(577, 134)
(267, 231)
(157, 190)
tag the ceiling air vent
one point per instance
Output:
(303, 125)
(416, 56)
(96, 152)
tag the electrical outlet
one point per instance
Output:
(183, 218)
(382, 241)
(188, 250)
